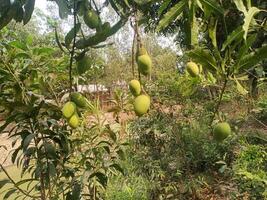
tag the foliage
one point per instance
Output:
(129, 187)
(250, 171)
(166, 152)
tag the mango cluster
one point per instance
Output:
(141, 102)
(70, 109)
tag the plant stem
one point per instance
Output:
(73, 47)
(133, 54)
(219, 101)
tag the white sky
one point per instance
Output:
(41, 4)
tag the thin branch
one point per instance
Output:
(219, 101)
(73, 47)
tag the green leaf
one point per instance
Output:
(7, 16)
(203, 57)
(43, 50)
(245, 47)
(25, 181)
(4, 182)
(63, 8)
(19, 45)
(240, 88)
(14, 154)
(10, 192)
(163, 6)
(172, 15)
(236, 34)
(58, 42)
(102, 178)
(248, 18)
(212, 31)
(240, 6)
(193, 25)
(50, 150)
(76, 191)
(117, 167)
(27, 141)
(71, 34)
(253, 58)
(213, 6)
(52, 170)
(28, 10)
(22, 55)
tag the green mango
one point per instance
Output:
(91, 19)
(141, 104)
(192, 69)
(74, 121)
(83, 65)
(135, 87)
(79, 99)
(144, 64)
(221, 131)
(68, 109)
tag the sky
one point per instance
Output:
(41, 4)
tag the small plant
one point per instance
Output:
(250, 171)
(127, 188)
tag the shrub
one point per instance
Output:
(250, 171)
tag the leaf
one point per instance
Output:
(117, 167)
(203, 57)
(102, 178)
(212, 31)
(22, 55)
(27, 141)
(28, 10)
(245, 47)
(240, 88)
(237, 33)
(58, 42)
(7, 16)
(14, 154)
(4, 182)
(248, 18)
(71, 34)
(163, 6)
(43, 50)
(25, 181)
(76, 191)
(50, 150)
(253, 58)
(63, 8)
(52, 169)
(240, 6)
(10, 192)
(193, 25)
(171, 15)
(213, 6)
(19, 45)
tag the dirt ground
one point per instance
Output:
(5, 149)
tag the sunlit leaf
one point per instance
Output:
(172, 15)
(248, 19)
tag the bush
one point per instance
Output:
(250, 171)
(127, 188)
